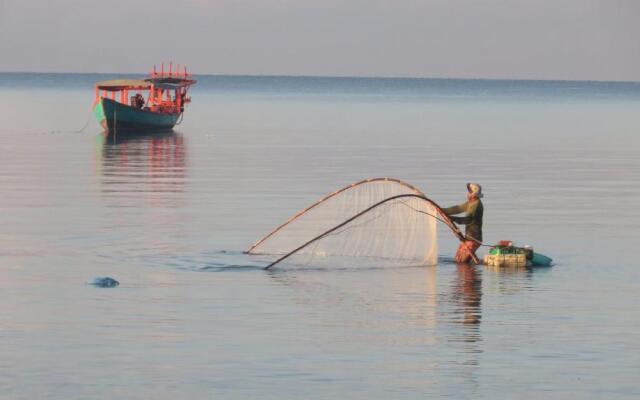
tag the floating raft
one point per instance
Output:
(505, 254)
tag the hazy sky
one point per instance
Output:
(537, 39)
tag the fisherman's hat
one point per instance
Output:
(475, 189)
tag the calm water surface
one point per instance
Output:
(169, 216)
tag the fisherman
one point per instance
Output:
(472, 219)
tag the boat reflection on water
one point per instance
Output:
(149, 168)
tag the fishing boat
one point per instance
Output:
(143, 105)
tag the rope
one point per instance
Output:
(86, 124)
(479, 242)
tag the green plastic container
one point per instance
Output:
(507, 250)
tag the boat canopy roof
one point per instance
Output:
(115, 85)
(121, 84)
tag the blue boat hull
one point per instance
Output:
(118, 118)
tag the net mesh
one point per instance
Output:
(376, 222)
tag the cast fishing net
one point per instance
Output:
(375, 222)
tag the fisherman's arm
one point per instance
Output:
(459, 209)
(470, 208)
(462, 220)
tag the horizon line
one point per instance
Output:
(336, 76)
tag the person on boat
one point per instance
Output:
(472, 220)
(183, 95)
(137, 101)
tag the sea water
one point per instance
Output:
(169, 215)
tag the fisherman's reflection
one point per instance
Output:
(468, 295)
(467, 314)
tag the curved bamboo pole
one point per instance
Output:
(327, 197)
